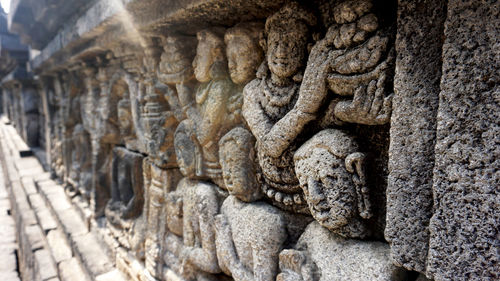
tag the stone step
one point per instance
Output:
(8, 245)
(33, 219)
(58, 243)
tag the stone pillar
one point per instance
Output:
(413, 130)
(45, 87)
(464, 230)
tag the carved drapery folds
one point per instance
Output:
(233, 152)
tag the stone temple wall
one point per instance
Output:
(271, 140)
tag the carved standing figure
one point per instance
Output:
(81, 168)
(244, 54)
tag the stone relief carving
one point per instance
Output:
(249, 235)
(80, 176)
(127, 190)
(214, 109)
(190, 244)
(155, 123)
(331, 172)
(216, 151)
(269, 97)
(322, 255)
(244, 54)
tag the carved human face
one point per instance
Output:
(329, 190)
(124, 121)
(243, 59)
(238, 172)
(286, 50)
(203, 61)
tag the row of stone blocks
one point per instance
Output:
(55, 242)
(8, 245)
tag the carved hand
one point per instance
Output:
(368, 107)
(226, 253)
(313, 88)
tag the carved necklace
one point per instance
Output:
(277, 100)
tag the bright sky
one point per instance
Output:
(5, 5)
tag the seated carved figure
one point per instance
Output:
(269, 97)
(249, 234)
(321, 255)
(190, 209)
(331, 172)
(353, 59)
(127, 196)
(127, 188)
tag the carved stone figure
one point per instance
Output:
(321, 255)
(331, 172)
(127, 191)
(239, 164)
(155, 123)
(191, 208)
(80, 175)
(176, 71)
(125, 124)
(273, 94)
(249, 235)
(105, 136)
(215, 107)
(354, 59)
(244, 54)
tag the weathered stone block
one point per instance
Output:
(71, 270)
(58, 246)
(45, 267)
(35, 237)
(464, 228)
(29, 185)
(71, 222)
(91, 254)
(413, 130)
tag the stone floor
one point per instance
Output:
(8, 245)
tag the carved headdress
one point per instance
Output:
(290, 14)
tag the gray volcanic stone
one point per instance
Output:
(337, 258)
(464, 238)
(413, 130)
(464, 231)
